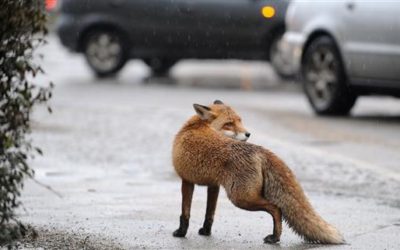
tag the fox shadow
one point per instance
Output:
(302, 246)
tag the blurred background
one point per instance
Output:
(314, 81)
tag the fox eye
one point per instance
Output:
(228, 124)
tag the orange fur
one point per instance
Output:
(254, 178)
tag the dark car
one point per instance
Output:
(161, 32)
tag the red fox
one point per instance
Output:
(211, 150)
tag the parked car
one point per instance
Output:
(344, 49)
(161, 32)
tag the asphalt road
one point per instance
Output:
(108, 156)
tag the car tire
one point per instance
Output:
(159, 66)
(105, 52)
(324, 78)
(280, 64)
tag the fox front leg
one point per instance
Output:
(187, 194)
(212, 197)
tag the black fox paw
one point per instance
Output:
(271, 239)
(205, 231)
(179, 233)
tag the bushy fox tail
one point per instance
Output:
(282, 189)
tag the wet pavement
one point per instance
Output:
(108, 155)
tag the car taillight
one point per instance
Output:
(51, 4)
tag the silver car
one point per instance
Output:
(344, 49)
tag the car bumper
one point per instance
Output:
(292, 49)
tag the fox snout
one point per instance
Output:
(241, 136)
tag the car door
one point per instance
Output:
(221, 28)
(372, 39)
(154, 25)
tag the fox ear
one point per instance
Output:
(203, 111)
(218, 102)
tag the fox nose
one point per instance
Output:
(247, 134)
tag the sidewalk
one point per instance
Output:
(107, 151)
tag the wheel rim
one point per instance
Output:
(321, 77)
(104, 51)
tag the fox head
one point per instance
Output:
(223, 119)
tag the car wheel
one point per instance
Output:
(105, 52)
(280, 64)
(324, 78)
(159, 67)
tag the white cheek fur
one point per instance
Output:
(229, 133)
(241, 137)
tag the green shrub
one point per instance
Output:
(22, 29)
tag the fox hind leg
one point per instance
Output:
(187, 194)
(276, 214)
(212, 197)
(261, 204)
